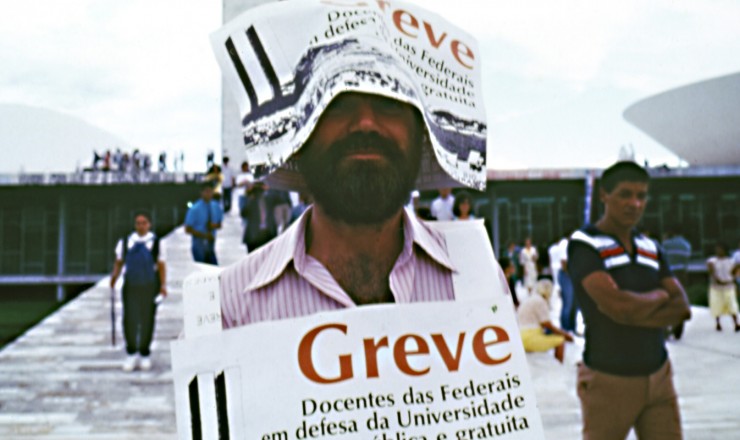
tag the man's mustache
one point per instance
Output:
(364, 142)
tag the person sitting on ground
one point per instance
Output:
(722, 294)
(534, 319)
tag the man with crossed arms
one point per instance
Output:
(628, 295)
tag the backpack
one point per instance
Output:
(140, 263)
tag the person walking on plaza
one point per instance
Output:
(201, 221)
(140, 256)
(229, 180)
(282, 207)
(569, 310)
(510, 273)
(722, 293)
(528, 260)
(216, 178)
(553, 255)
(512, 253)
(628, 295)
(678, 253)
(259, 212)
(162, 162)
(544, 270)
(537, 331)
(304, 201)
(736, 259)
(462, 209)
(443, 204)
(244, 181)
(210, 159)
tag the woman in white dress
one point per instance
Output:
(528, 259)
(722, 296)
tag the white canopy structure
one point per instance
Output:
(699, 122)
(39, 140)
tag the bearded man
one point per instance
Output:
(356, 245)
(356, 131)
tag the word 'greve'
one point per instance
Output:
(401, 353)
(408, 25)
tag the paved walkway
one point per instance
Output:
(62, 380)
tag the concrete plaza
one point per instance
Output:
(62, 379)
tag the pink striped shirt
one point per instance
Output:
(280, 280)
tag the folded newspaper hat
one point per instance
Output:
(286, 61)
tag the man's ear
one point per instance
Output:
(602, 195)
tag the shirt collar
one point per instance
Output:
(276, 255)
(431, 241)
(290, 247)
(136, 237)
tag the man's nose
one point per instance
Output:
(637, 201)
(365, 117)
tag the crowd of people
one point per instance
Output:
(135, 161)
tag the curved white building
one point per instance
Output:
(699, 122)
(40, 140)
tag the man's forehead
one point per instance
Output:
(353, 97)
(632, 185)
(345, 103)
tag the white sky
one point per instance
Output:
(557, 73)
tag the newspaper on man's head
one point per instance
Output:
(286, 61)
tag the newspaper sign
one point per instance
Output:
(286, 61)
(445, 370)
(202, 301)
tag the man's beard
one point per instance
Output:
(361, 192)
